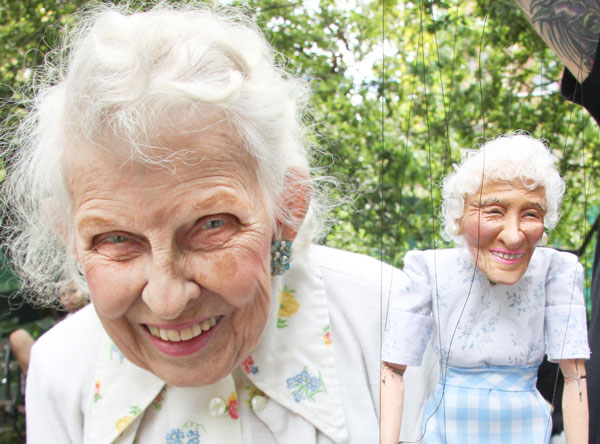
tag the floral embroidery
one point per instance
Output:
(97, 396)
(248, 366)
(181, 436)
(193, 426)
(175, 436)
(124, 422)
(518, 301)
(252, 392)
(287, 306)
(113, 348)
(305, 386)
(194, 435)
(232, 406)
(156, 404)
(327, 335)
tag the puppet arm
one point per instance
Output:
(574, 401)
(392, 399)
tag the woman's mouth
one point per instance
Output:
(508, 257)
(185, 334)
(183, 340)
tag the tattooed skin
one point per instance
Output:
(570, 27)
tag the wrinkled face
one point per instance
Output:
(177, 264)
(502, 225)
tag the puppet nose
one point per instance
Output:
(512, 236)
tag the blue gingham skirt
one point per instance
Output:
(480, 405)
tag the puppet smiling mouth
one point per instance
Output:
(506, 256)
(185, 334)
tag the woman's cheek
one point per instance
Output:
(249, 286)
(478, 231)
(536, 231)
(469, 229)
(112, 289)
(242, 275)
(488, 230)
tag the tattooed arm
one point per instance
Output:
(392, 400)
(570, 27)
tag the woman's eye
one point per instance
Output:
(494, 211)
(212, 231)
(211, 224)
(118, 246)
(533, 214)
(116, 239)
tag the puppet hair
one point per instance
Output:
(508, 158)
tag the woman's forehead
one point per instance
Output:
(523, 184)
(498, 191)
(185, 156)
(211, 141)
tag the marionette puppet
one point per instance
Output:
(491, 307)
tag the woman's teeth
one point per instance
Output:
(167, 334)
(509, 256)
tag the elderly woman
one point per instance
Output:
(163, 168)
(494, 306)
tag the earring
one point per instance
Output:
(281, 256)
(453, 229)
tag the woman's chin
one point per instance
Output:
(504, 277)
(189, 375)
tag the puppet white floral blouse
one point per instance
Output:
(473, 322)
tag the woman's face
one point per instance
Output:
(502, 225)
(177, 260)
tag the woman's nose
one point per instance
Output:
(511, 235)
(168, 292)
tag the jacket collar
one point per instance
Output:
(294, 362)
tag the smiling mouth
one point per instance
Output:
(185, 334)
(508, 256)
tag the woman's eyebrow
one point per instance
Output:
(497, 201)
(220, 197)
(492, 201)
(487, 202)
(95, 221)
(538, 205)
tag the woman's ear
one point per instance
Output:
(296, 199)
(457, 227)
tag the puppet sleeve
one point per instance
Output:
(565, 325)
(410, 324)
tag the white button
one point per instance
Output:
(259, 403)
(217, 406)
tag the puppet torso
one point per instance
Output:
(473, 322)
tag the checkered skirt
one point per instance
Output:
(487, 405)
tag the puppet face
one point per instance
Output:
(502, 224)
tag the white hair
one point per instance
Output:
(508, 158)
(131, 76)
